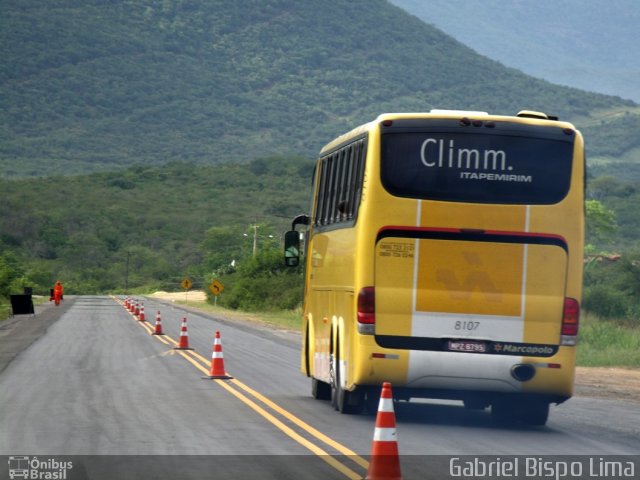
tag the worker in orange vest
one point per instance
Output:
(58, 291)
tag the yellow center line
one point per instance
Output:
(287, 430)
(144, 325)
(160, 337)
(316, 433)
(269, 417)
(305, 426)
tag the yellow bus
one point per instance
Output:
(444, 254)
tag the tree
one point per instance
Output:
(601, 223)
(223, 245)
(264, 283)
(10, 274)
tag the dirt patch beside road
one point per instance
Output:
(619, 383)
(191, 295)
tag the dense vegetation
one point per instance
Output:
(91, 86)
(148, 227)
(612, 270)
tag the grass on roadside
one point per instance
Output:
(5, 306)
(606, 343)
(5, 311)
(290, 319)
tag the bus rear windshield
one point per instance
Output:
(508, 167)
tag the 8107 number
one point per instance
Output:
(467, 325)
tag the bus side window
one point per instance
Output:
(334, 186)
(351, 182)
(329, 190)
(322, 187)
(339, 184)
(359, 177)
(343, 203)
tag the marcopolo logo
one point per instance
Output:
(38, 469)
(533, 350)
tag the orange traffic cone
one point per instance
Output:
(184, 337)
(141, 316)
(158, 325)
(217, 361)
(137, 309)
(125, 304)
(385, 461)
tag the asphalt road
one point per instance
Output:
(97, 383)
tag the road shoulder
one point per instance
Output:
(20, 331)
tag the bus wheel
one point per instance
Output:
(345, 401)
(372, 400)
(338, 394)
(535, 413)
(320, 390)
(527, 412)
(341, 399)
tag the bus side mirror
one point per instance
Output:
(292, 248)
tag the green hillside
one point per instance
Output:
(167, 222)
(91, 86)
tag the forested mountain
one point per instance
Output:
(99, 85)
(589, 45)
(166, 130)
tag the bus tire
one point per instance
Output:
(341, 399)
(320, 390)
(502, 412)
(372, 400)
(525, 411)
(535, 413)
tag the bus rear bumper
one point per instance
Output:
(436, 374)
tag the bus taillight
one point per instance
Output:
(366, 310)
(570, 322)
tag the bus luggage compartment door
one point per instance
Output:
(470, 292)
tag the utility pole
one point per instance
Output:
(255, 239)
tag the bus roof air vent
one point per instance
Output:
(532, 114)
(457, 112)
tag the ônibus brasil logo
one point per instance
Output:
(36, 469)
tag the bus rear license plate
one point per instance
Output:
(467, 346)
